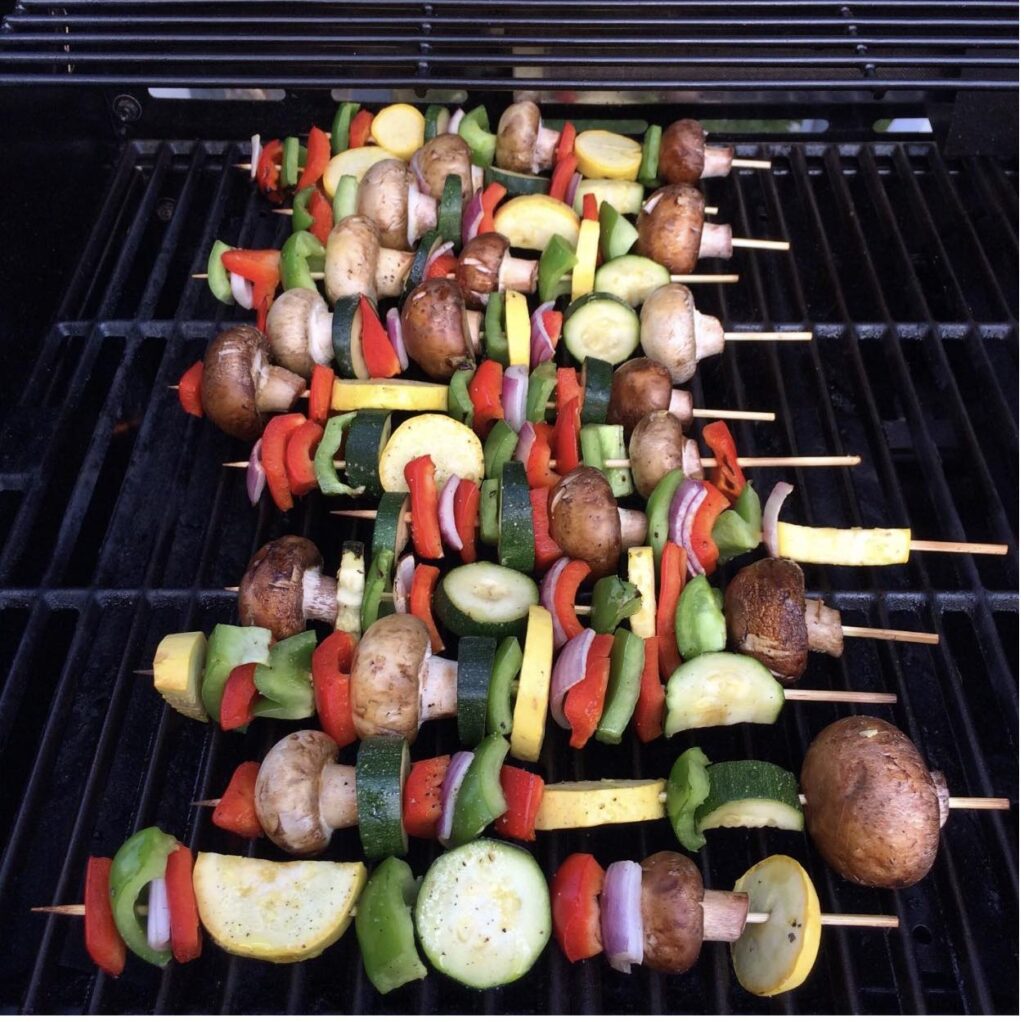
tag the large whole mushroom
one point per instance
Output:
(299, 331)
(437, 329)
(657, 446)
(675, 333)
(443, 155)
(388, 196)
(672, 230)
(683, 157)
(524, 145)
(641, 386)
(485, 266)
(356, 262)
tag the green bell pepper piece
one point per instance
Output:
(557, 259)
(376, 583)
(323, 461)
(495, 340)
(700, 623)
(480, 800)
(499, 447)
(508, 661)
(229, 647)
(539, 389)
(475, 131)
(738, 530)
(301, 254)
(489, 500)
(291, 157)
(459, 404)
(384, 927)
(613, 600)
(658, 505)
(141, 859)
(286, 682)
(217, 277)
(647, 175)
(339, 127)
(600, 443)
(345, 201)
(688, 787)
(623, 686)
(301, 218)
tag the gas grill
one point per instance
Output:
(118, 523)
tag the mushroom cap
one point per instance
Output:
(655, 449)
(443, 155)
(670, 225)
(585, 520)
(639, 387)
(671, 892)
(668, 330)
(386, 672)
(384, 198)
(681, 156)
(434, 328)
(288, 792)
(271, 592)
(765, 610)
(350, 260)
(517, 137)
(288, 329)
(232, 365)
(872, 809)
(479, 268)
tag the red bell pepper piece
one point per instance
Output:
(268, 169)
(359, 129)
(236, 810)
(701, 542)
(421, 797)
(262, 267)
(561, 176)
(467, 510)
(568, 586)
(552, 320)
(649, 713)
(727, 475)
(545, 550)
(539, 473)
(575, 910)
(318, 155)
(673, 574)
(239, 698)
(566, 142)
(102, 939)
(332, 692)
(489, 199)
(321, 391)
(443, 266)
(379, 354)
(190, 389)
(424, 579)
(426, 526)
(323, 217)
(567, 432)
(273, 453)
(298, 457)
(590, 206)
(585, 701)
(523, 791)
(485, 393)
(567, 387)
(186, 936)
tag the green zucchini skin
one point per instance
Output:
(485, 599)
(382, 765)
(476, 662)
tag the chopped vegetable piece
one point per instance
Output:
(239, 699)
(262, 268)
(268, 170)
(640, 567)
(489, 199)
(323, 461)
(190, 389)
(321, 215)
(321, 388)
(557, 259)
(737, 530)
(424, 580)
(460, 405)
(688, 787)
(318, 155)
(229, 646)
(561, 176)
(607, 155)
(567, 430)
(217, 278)
(102, 940)
(508, 660)
(727, 475)
(475, 131)
(700, 622)
(485, 393)
(286, 680)
(539, 472)
(378, 352)
(178, 672)
(426, 528)
(576, 912)
(298, 459)
(627, 664)
(565, 597)
(467, 508)
(649, 715)
(340, 126)
(421, 799)
(480, 800)
(566, 141)
(545, 550)
(399, 128)
(673, 569)
(332, 691)
(702, 543)
(531, 709)
(236, 810)
(612, 602)
(274, 457)
(379, 580)
(523, 792)
(359, 129)
(300, 256)
(585, 701)
(517, 328)
(186, 936)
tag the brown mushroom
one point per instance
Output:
(283, 587)
(383, 198)
(350, 260)
(302, 795)
(435, 328)
(524, 145)
(671, 893)
(681, 154)
(639, 387)
(674, 332)
(670, 225)
(485, 266)
(585, 520)
(441, 156)
(871, 805)
(290, 328)
(655, 449)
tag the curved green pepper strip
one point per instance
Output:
(480, 800)
(557, 259)
(339, 129)
(700, 623)
(345, 201)
(539, 389)
(459, 404)
(285, 683)
(658, 504)
(217, 277)
(301, 254)
(613, 601)
(323, 461)
(508, 661)
(377, 581)
(292, 156)
(688, 787)
(141, 859)
(301, 218)
(475, 131)
(495, 340)
(623, 687)
(738, 530)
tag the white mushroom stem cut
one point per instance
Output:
(277, 388)
(680, 404)
(476, 175)
(392, 269)
(421, 215)
(634, 528)
(544, 148)
(517, 274)
(725, 915)
(715, 241)
(319, 596)
(709, 335)
(321, 350)
(438, 688)
(717, 161)
(942, 793)
(472, 319)
(338, 796)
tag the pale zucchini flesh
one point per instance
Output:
(625, 197)
(631, 277)
(853, 547)
(351, 585)
(754, 812)
(455, 449)
(178, 672)
(603, 327)
(580, 804)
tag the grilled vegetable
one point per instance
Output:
(178, 672)
(530, 221)
(454, 448)
(485, 599)
(858, 547)
(749, 793)
(599, 325)
(581, 804)
(531, 708)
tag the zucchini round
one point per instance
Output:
(485, 599)
(517, 184)
(600, 325)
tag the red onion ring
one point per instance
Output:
(622, 921)
(456, 120)
(446, 512)
(255, 152)
(570, 670)
(547, 599)
(770, 521)
(542, 347)
(241, 291)
(158, 922)
(683, 510)
(570, 191)
(255, 475)
(514, 386)
(403, 584)
(453, 778)
(472, 217)
(395, 336)
(527, 435)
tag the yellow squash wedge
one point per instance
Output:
(605, 154)
(586, 259)
(640, 569)
(455, 448)
(399, 129)
(517, 328)
(573, 804)
(530, 221)
(389, 395)
(855, 547)
(355, 162)
(531, 710)
(178, 672)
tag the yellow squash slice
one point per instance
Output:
(530, 221)
(389, 395)
(178, 672)
(355, 162)
(855, 547)
(605, 154)
(517, 328)
(399, 129)
(640, 568)
(586, 259)
(531, 710)
(573, 804)
(455, 448)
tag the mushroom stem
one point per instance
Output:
(717, 161)
(942, 793)
(517, 274)
(438, 688)
(544, 148)
(392, 269)
(319, 596)
(422, 213)
(277, 389)
(725, 915)
(680, 404)
(824, 628)
(709, 335)
(634, 527)
(472, 320)
(715, 241)
(338, 796)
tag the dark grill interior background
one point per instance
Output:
(118, 525)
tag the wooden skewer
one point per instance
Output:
(739, 161)
(825, 695)
(708, 211)
(939, 546)
(769, 335)
(890, 635)
(961, 802)
(677, 278)
(775, 246)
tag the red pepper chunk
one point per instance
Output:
(443, 266)
(485, 394)
(561, 176)
(566, 142)
(704, 547)
(262, 267)
(421, 797)
(359, 129)
(575, 911)
(272, 454)
(489, 199)
(467, 511)
(426, 525)
(585, 701)
(523, 791)
(321, 392)
(318, 155)
(649, 713)
(190, 389)
(102, 940)
(298, 457)
(380, 357)
(567, 432)
(590, 206)
(268, 169)
(186, 935)
(332, 687)
(323, 217)
(239, 698)
(545, 550)
(539, 473)
(236, 810)
(424, 579)
(673, 572)
(568, 586)
(567, 387)
(727, 475)
(552, 320)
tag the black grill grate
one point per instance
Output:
(536, 44)
(117, 525)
